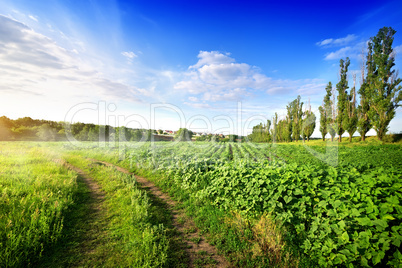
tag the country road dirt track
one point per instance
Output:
(92, 226)
(193, 249)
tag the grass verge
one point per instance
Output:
(35, 194)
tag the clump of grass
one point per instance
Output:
(196, 240)
(35, 193)
(202, 252)
(204, 260)
(181, 219)
(268, 240)
(265, 238)
(190, 230)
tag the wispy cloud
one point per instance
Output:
(129, 55)
(337, 42)
(32, 63)
(340, 53)
(353, 51)
(398, 50)
(33, 18)
(198, 105)
(348, 46)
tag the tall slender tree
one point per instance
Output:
(332, 126)
(274, 130)
(261, 133)
(279, 131)
(326, 111)
(308, 124)
(363, 122)
(350, 115)
(295, 113)
(341, 87)
(284, 130)
(383, 90)
(289, 120)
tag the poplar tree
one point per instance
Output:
(279, 131)
(284, 130)
(383, 89)
(341, 87)
(350, 114)
(332, 120)
(295, 114)
(308, 124)
(363, 122)
(274, 130)
(279, 134)
(260, 133)
(326, 111)
(287, 134)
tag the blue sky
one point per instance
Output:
(215, 66)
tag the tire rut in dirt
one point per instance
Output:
(200, 252)
(87, 226)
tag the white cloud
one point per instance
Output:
(217, 77)
(33, 64)
(198, 105)
(129, 54)
(337, 42)
(193, 99)
(33, 18)
(398, 50)
(340, 53)
(212, 57)
(311, 87)
(353, 51)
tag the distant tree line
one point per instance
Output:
(380, 95)
(27, 128)
(220, 138)
(44, 130)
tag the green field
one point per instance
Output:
(260, 205)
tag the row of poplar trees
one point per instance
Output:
(379, 93)
(297, 124)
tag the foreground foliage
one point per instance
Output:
(261, 205)
(35, 193)
(341, 206)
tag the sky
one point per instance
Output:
(210, 66)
